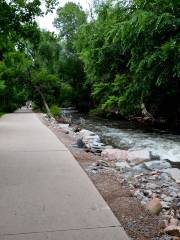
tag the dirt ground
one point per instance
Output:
(138, 223)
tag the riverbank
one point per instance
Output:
(121, 193)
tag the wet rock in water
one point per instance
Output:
(80, 143)
(174, 173)
(154, 157)
(174, 163)
(95, 147)
(86, 133)
(76, 129)
(122, 166)
(138, 157)
(91, 141)
(157, 165)
(115, 154)
(154, 206)
(65, 127)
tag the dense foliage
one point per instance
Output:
(125, 54)
(131, 56)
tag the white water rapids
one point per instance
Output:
(126, 136)
(167, 146)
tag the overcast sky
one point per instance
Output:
(46, 22)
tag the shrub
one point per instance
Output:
(67, 95)
(55, 111)
(35, 107)
(1, 114)
(97, 112)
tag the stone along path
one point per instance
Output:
(44, 193)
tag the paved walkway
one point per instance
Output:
(44, 193)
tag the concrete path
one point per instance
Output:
(44, 193)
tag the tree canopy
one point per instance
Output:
(114, 59)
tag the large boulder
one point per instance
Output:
(91, 141)
(86, 133)
(114, 154)
(138, 157)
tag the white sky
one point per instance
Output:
(46, 21)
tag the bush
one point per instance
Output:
(97, 112)
(55, 111)
(1, 114)
(35, 107)
(67, 95)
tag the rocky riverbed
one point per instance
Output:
(152, 180)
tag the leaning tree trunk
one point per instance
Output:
(44, 101)
(145, 112)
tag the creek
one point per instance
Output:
(130, 136)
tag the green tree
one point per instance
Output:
(131, 56)
(32, 71)
(71, 69)
(69, 19)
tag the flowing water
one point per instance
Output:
(126, 135)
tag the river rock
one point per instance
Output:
(165, 177)
(65, 127)
(114, 154)
(95, 147)
(138, 157)
(102, 163)
(76, 129)
(122, 166)
(154, 206)
(86, 133)
(154, 156)
(174, 163)
(139, 194)
(157, 165)
(165, 205)
(173, 230)
(148, 193)
(173, 221)
(152, 186)
(174, 173)
(166, 198)
(80, 143)
(91, 141)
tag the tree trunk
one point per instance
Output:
(44, 101)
